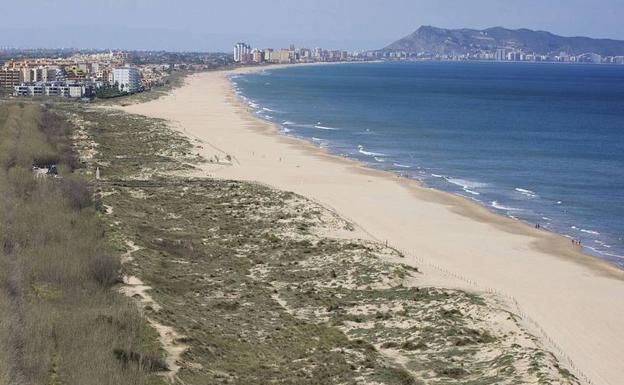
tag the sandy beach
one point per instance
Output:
(572, 301)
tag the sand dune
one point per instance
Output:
(573, 301)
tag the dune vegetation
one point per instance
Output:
(248, 284)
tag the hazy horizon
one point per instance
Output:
(193, 25)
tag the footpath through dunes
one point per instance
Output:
(61, 322)
(249, 284)
(570, 300)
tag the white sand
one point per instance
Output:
(575, 303)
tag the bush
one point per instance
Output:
(79, 194)
(57, 132)
(150, 362)
(411, 345)
(154, 363)
(45, 159)
(104, 270)
(451, 372)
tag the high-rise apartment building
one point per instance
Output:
(269, 55)
(9, 78)
(258, 56)
(128, 79)
(242, 52)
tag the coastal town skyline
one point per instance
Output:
(106, 74)
(212, 27)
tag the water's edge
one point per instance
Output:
(447, 184)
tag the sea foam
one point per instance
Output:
(362, 151)
(325, 127)
(498, 206)
(466, 185)
(526, 192)
(585, 230)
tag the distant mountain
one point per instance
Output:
(432, 40)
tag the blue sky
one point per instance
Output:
(351, 24)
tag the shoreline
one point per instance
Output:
(443, 233)
(462, 205)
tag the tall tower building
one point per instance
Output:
(242, 52)
(501, 54)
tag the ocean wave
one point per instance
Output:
(378, 159)
(362, 151)
(253, 105)
(288, 123)
(585, 230)
(401, 165)
(325, 127)
(268, 109)
(437, 176)
(466, 185)
(322, 143)
(602, 252)
(526, 192)
(469, 191)
(498, 206)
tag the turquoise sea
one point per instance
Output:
(542, 143)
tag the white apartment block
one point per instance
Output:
(61, 89)
(128, 79)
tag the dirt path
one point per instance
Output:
(168, 337)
